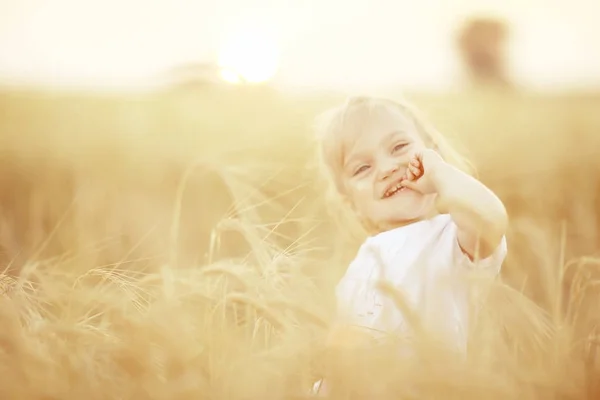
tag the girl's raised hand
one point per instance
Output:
(421, 169)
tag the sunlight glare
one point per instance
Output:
(252, 53)
(230, 76)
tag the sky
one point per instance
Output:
(318, 43)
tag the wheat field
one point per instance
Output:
(177, 245)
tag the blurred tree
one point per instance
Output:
(481, 43)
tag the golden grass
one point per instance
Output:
(177, 246)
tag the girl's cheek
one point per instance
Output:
(362, 185)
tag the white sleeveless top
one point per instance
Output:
(424, 261)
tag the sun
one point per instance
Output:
(251, 53)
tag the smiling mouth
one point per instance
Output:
(397, 188)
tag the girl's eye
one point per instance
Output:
(399, 147)
(362, 168)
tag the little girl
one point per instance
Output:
(427, 219)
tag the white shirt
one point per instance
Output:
(424, 262)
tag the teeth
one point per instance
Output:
(393, 190)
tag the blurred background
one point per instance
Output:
(106, 105)
(180, 133)
(350, 45)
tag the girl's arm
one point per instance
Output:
(479, 214)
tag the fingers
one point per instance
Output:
(410, 184)
(416, 162)
(417, 157)
(415, 169)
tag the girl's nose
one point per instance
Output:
(388, 170)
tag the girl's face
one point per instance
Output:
(374, 164)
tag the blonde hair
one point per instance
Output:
(335, 126)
